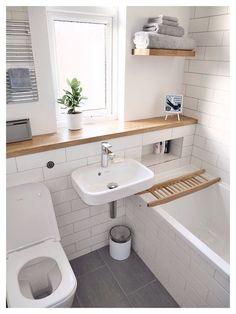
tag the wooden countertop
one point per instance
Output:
(93, 132)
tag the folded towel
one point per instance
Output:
(164, 29)
(155, 40)
(162, 21)
(150, 28)
(165, 17)
(19, 78)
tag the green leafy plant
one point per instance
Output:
(73, 98)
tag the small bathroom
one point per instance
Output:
(117, 155)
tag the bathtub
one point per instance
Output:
(185, 243)
(203, 219)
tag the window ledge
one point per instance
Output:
(94, 131)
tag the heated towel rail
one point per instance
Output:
(19, 54)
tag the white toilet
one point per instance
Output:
(38, 271)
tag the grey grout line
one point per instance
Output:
(77, 298)
(91, 271)
(210, 31)
(118, 281)
(150, 282)
(206, 74)
(126, 295)
(81, 276)
(113, 275)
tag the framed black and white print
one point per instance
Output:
(173, 104)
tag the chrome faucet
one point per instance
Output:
(106, 154)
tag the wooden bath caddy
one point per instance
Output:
(172, 189)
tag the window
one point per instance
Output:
(82, 48)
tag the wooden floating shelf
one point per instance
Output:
(93, 132)
(163, 52)
(172, 189)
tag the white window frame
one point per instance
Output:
(110, 112)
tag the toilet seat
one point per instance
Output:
(16, 260)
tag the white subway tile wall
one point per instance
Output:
(84, 228)
(189, 276)
(206, 85)
(11, 166)
(39, 160)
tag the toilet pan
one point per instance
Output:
(38, 271)
(64, 281)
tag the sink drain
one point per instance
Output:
(112, 185)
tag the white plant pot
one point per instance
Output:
(74, 121)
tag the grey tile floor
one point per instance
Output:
(104, 282)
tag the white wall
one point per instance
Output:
(148, 79)
(143, 81)
(41, 113)
(84, 228)
(206, 84)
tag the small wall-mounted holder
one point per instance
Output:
(173, 105)
(50, 164)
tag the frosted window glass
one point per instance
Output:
(81, 53)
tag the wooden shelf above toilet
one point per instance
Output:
(163, 52)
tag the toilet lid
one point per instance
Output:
(30, 216)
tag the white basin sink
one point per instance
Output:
(92, 182)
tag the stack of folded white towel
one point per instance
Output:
(163, 32)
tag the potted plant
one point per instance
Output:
(71, 100)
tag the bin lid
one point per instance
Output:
(120, 233)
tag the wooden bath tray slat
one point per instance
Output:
(178, 187)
